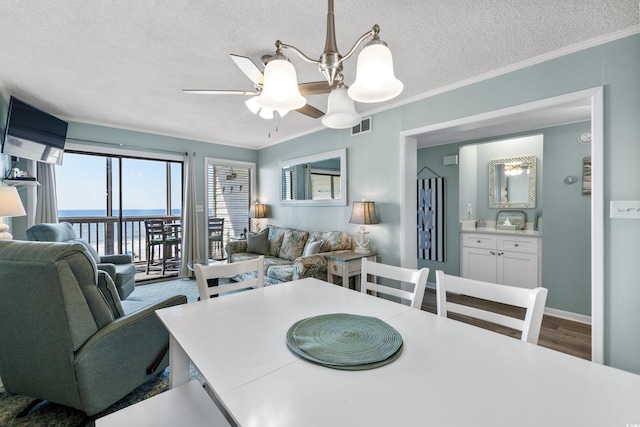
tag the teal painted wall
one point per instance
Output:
(566, 211)
(374, 162)
(374, 165)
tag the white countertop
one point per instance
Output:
(470, 227)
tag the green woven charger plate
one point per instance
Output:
(345, 341)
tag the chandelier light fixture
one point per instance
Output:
(375, 80)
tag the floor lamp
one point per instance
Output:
(10, 205)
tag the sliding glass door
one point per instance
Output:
(108, 197)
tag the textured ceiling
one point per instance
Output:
(123, 64)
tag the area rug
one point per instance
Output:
(53, 415)
(160, 290)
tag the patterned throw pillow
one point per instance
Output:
(258, 243)
(292, 244)
(313, 248)
(276, 234)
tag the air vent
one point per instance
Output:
(363, 126)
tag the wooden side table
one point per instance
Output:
(347, 265)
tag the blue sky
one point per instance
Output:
(81, 183)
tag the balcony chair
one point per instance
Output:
(533, 300)
(120, 267)
(165, 236)
(65, 336)
(216, 232)
(397, 276)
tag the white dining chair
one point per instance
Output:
(533, 300)
(416, 279)
(215, 272)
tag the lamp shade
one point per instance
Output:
(280, 88)
(265, 113)
(258, 211)
(375, 80)
(252, 104)
(364, 213)
(341, 111)
(10, 203)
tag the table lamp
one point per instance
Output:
(10, 205)
(363, 213)
(258, 211)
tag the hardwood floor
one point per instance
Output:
(562, 335)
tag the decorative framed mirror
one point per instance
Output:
(317, 180)
(512, 182)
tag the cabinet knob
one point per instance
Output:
(516, 245)
(478, 241)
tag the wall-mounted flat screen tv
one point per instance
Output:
(32, 134)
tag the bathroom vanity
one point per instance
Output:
(508, 257)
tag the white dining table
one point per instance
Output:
(448, 374)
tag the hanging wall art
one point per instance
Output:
(431, 219)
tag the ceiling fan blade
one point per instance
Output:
(249, 68)
(310, 111)
(220, 92)
(314, 88)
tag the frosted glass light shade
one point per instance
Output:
(375, 80)
(341, 111)
(266, 113)
(280, 89)
(252, 104)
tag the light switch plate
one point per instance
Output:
(629, 209)
(199, 208)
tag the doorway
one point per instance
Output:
(577, 106)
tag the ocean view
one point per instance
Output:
(125, 212)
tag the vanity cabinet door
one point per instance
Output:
(517, 269)
(479, 264)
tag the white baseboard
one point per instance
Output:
(575, 317)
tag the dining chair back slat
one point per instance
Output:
(206, 273)
(532, 300)
(416, 278)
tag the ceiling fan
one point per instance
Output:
(251, 70)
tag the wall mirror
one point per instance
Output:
(318, 180)
(512, 182)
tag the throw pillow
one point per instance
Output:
(258, 243)
(293, 244)
(313, 248)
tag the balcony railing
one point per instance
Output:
(110, 236)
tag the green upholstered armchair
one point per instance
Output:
(119, 267)
(65, 339)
